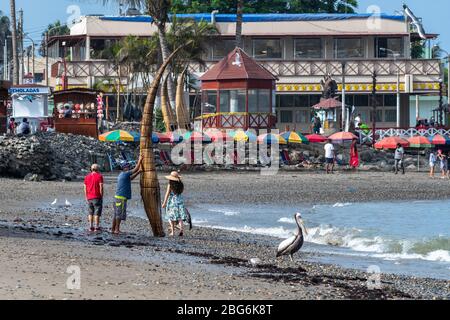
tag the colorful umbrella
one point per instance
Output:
(174, 137)
(391, 143)
(160, 137)
(342, 137)
(316, 138)
(294, 137)
(246, 136)
(220, 136)
(270, 138)
(119, 136)
(419, 142)
(196, 136)
(439, 140)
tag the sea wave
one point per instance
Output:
(225, 212)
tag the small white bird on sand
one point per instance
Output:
(255, 262)
(54, 202)
(68, 204)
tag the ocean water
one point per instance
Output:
(411, 238)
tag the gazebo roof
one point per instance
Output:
(237, 66)
(326, 104)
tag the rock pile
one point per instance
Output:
(54, 156)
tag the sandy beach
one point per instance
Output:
(38, 243)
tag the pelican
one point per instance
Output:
(295, 243)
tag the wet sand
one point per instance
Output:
(38, 243)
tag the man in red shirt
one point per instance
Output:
(93, 191)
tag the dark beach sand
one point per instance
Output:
(38, 243)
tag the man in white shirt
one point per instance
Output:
(329, 157)
(357, 121)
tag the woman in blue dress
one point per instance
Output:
(174, 203)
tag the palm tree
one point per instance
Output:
(12, 4)
(150, 189)
(239, 18)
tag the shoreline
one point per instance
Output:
(223, 256)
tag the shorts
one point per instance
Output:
(120, 209)
(329, 160)
(95, 207)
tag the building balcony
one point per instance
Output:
(360, 68)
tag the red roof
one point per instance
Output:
(331, 103)
(234, 68)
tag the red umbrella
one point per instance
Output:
(391, 143)
(326, 104)
(162, 137)
(341, 137)
(439, 140)
(316, 138)
(419, 142)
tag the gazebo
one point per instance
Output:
(238, 93)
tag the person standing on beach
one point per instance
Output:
(174, 203)
(354, 156)
(443, 163)
(123, 193)
(398, 157)
(93, 191)
(432, 163)
(330, 157)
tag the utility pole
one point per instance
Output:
(5, 60)
(441, 102)
(15, 50)
(22, 56)
(343, 95)
(46, 58)
(374, 108)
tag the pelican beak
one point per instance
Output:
(304, 227)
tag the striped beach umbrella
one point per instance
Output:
(342, 137)
(119, 136)
(218, 135)
(439, 140)
(246, 136)
(270, 138)
(174, 137)
(196, 136)
(419, 142)
(294, 137)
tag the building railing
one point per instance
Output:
(366, 135)
(80, 69)
(382, 67)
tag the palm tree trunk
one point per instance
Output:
(165, 55)
(119, 88)
(239, 18)
(150, 190)
(14, 42)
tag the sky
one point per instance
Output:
(39, 13)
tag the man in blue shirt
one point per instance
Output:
(123, 193)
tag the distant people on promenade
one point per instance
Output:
(123, 193)
(443, 163)
(398, 157)
(358, 121)
(12, 125)
(174, 203)
(432, 163)
(24, 128)
(93, 191)
(354, 155)
(330, 156)
(317, 125)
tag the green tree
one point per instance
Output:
(53, 29)
(4, 33)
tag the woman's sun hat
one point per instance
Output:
(174, 176)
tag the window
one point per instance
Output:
(209, 102)
(390, 100)
(314, 99)
(285, 116)
(389, 48)
(224, 101)
(267, 49)
(379, 117)
(222, 48)
(390, 116)
(101, 48)
(237, 101)
(302, 116)
(259, 101)
(308, 49)
(349, 48)
(286, 100)
(349, 100)
(361, 100)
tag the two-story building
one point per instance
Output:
(299, 49)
